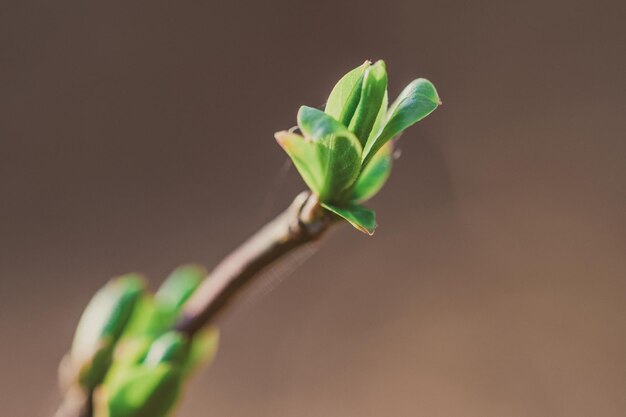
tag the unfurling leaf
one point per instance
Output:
(171, 347)
(316, 125)
(305, 156)
(344, 98)
(180, 285)
(328, 157)
(380, 118)
(355, 121)
(140, 391)
(358, 216)
(374, 175)
(101, 325)
(203, 349)
(141, 362)
(145, 381)
(372, 95)
(416, 101)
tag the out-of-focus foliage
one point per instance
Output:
(344, 152)
(100, 327)
(126, 352)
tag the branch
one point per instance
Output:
(304, 221)
(332, 155)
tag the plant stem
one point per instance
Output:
(303, 222)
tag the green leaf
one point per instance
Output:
(180, 285)
(140, 391)
(129, 352)
(203, 349)
(416, 101)
(358, 216)
(171, 347)
(328, 159)
(380, 118)
(315, 124)
(305, 156)
(92, 372)
(339, 151)
(372, 94)
(344, 97)
(374, 175)
(342, 157)
(146, 379)
(155, 314)
(147, 319)
(102, 323)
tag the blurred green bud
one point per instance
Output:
(101, 325)
(171, 347)
(146, 387)
(155, 314)
(130, 351)
(146, 321)
(180, 285)
(139, 391)
(203, 349)
(374, 175)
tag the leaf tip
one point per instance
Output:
(381, 63)
(370, 232)
(281, 137)
(431, 91)
(285, 139)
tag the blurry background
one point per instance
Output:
(139, 135)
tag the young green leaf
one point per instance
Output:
(305, 156)
(358, 216)
(342, 157)
(338, 152)
(129, 351)
(380, 118)
(315, 124)
(102, 323)
(344, 97)
(374, 175)
(148, 319)
(203, 349)
(171, 347)
(179, 285)
(372, 94)
(328, 166)
(140, 391)
(416, 101)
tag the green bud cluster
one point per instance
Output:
(344, 152)
(125, 353)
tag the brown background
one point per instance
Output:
(138, 136)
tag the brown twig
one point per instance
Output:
(304, 221)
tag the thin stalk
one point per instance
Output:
(303, 222)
